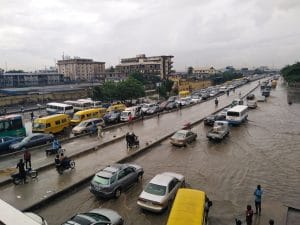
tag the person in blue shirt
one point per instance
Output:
(258, 194)
(55, 145)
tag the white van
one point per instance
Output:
(134, 111)
(237, 114)
(12, 216)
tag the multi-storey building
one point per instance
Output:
(38, 78)
(1, 71)
(154, 65)
(75, 69)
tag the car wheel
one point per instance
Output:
(139, 178)
(118, 193)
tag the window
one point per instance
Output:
(113, 179)
(48, 125)
(64, 120)
(57, 122)
(121, 174)
(88, 115)
(129, 170)
(172, 185)
(82, 117)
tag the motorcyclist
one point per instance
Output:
(57, 161)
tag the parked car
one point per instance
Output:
(204, 96)
(152, 110)
(32, 140)
(209, 120)
(183, 137)
(196, 99)
(112, 180)
(171, 105)
(160, 191)
(147, 106)
(162, 105)
(5, 142)
(87, 126)
(112, 117)
(99, 216)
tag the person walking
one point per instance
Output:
(249, 215)
(129, 118)
(258, 194)
(22, 109)
(27, 159)
(100, 131)
(271, 222)
(22, 172)
(216, 102)
(142, 114)
(32, 115)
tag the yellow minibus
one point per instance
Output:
(188, 208)
(51, 124)
(116, 107)
(183, 94)
(87, 114)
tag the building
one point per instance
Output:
(204, 72)
(79, 69)
(114, 76)
(154, 65)
(190, 85)
(1, 71)
(38, 78)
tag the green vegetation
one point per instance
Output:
(124, 90)
(291, 73)
(165, 88)
(15, 71)
(226, 76)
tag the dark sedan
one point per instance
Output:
(5, 142)
(209, 121)
(112, 117)
(32, 140)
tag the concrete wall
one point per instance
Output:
(36, 98)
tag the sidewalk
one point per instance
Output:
(149, 131)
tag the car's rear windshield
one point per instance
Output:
(233, 113)
(101, 180)
(155, 189)
(179, 135)
(79, 220)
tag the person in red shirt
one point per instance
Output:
(27, 159)
(249, 215)
(129, 118)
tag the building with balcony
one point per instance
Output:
(201, 72)
(154, 65)
(79, 69)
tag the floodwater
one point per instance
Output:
(265, 151)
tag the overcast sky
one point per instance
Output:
(33, 34)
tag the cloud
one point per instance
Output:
(197, 32)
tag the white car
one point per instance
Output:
(195, 99)
(160, 191)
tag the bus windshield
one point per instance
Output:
(12, 126)
(230, 113)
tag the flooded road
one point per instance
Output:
(263, 151)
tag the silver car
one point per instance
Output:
(160, 191)
(87, 126)
(112, 180)
(96, 216)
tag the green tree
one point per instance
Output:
(138, 76)
(291, 73)
(130, 89)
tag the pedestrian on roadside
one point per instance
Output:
(22, 172)
(22, 109)
(180, 105)
(32, 115)
(271, 222)
(142, 115)
(258, 194)
(27, 159)
(238, 222)
(240, 94)
(249, 215)
(99, 131)
(158, 114)
(227, 92)
(216, 102)
(129, 118)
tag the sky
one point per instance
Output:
(199, 33)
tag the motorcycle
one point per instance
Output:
(52, 151)
(66, 164)
(18, 179)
